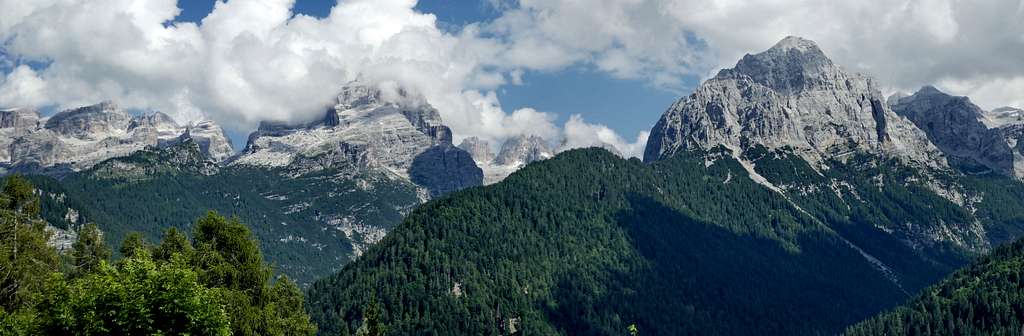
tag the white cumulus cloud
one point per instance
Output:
(254, 60)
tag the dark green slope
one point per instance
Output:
(588, 243)
(986, 298)
(295, 218)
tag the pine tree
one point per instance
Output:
(133, 244)
(89, 251)
(173, 242)
(26, 261)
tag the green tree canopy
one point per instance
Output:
(88, 251)
(133, 244)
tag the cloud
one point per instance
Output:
(580, 134)
(255, 60)
(904, 43)
(249, 61)
(22, 87)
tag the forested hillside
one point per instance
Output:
(308, 224)
(215, 283)
(588, 243)
(986, 298)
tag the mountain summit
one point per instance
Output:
(369, 128)
(954, 124)
(80, 138)
(791, 96)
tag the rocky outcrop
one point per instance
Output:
(445, 168)
(90, 122)
(521, 150)
(390, 133)
(211, 139)
(80, 138)
(479, 149)
(791, 96)
(516, 152)
(954, 125)
(15, 123)
(20, 120)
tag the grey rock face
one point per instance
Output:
(80, 138)
(391, 133)
(15, 123)
(515, 153)
(21, 121)
(91, 122)
(43, 148)
(789, 96)
(479, 149)
(211, 139)
(953, 125)
(521, 150)
(445, 168)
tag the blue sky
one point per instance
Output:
(627, 106)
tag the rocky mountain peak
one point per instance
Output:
(80, 138)
(158, 120)
(374, 128)
(20, 120)
(792, 65)
(478, 148)
(954, 125)
(92, 121)
(790, 96)
(523, 149)
(210, 138)
(355, 94)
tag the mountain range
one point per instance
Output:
(785, 195)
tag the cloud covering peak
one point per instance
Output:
(255, 60)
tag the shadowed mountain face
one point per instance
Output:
(954, 125)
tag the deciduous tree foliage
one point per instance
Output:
(217, 284)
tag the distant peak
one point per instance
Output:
(1007, 109)
(930, 90)
(795, 43)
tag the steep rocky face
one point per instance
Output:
(80, 138)
(789, 96)
(953, 125)
(211, 139)
(19, 120)
(479, 149)
(90, 122)
(805, 128)
(515, 153)
(390, 133)
(15, 123)
(521, 150)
